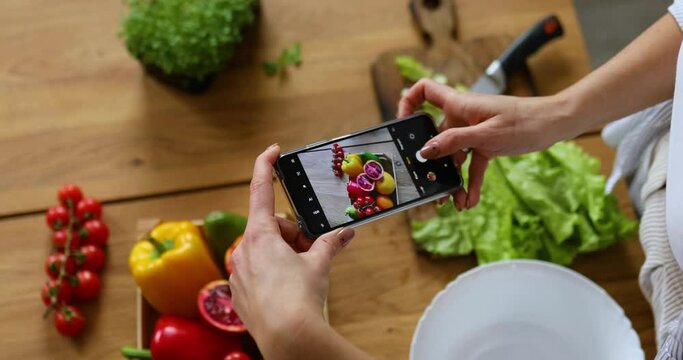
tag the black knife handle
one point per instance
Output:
(526, 44)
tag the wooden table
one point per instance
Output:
(74, 107)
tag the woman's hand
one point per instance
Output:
(278, 291)
(487, 125)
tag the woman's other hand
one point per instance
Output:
(488, 126)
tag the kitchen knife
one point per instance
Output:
(494, 80)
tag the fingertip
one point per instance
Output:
(272, 152)
(430, 150)
(460, 199)
(345, 235)
(472, 199)
(328, 245)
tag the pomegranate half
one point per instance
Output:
(215, 306)
(365, 183)
(373, 170)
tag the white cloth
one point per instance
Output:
(634, 137)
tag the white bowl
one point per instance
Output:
(524, 310)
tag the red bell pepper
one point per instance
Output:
(178, 338)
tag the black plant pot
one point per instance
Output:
(187, 84)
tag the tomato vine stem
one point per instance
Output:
(54, 295)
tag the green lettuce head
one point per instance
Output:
(189, 38)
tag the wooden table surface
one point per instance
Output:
(74, 107)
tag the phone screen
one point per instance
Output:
(363, 175)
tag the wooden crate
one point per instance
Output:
(147, 316)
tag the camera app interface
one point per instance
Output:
(360, 176)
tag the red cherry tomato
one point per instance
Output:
(69, 194)
(59, 239)
(88, 208)
(237, 355)
(69, 321)
(369, 211)
(88, 287)
(95, 232)
(57, 217)
(54, 262)
(64, 293)
(369, 199)
(90, 257)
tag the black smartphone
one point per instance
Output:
(360, 177)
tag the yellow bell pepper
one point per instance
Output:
(171, 265)
(352, 165)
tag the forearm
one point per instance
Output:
(312, 340)
(641, 75)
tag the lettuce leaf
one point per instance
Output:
(547, 205)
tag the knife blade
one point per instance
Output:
(494, 79)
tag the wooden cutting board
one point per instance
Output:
(461, 62)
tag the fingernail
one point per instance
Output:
(276, 145)
(429, 150)
(345, 235)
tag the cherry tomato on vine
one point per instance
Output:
(57, 217)
(88, 285)
(59, 238)
(54, 262)
(64, 293)
(69, 193)
(88, 208)
(90, 257)
(95, 232)
(69, 321)
(237, 355)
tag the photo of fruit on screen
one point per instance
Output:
(358, 177)
(361, 176)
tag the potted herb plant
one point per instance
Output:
(185, 43)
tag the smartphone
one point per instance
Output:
(364, 176)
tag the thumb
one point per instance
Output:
(453, 140)
(327, 246)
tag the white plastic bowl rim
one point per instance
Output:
(523, 262)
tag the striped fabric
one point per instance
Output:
(661, 278)
(672, 349)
